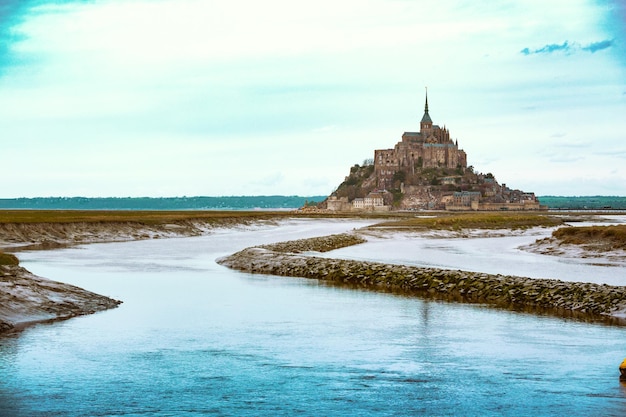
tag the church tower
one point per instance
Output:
(426, 125)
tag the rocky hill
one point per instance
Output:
(429, 188)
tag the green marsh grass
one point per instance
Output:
(611, 237)
(144, 217)
(488, 220)
(8, 259)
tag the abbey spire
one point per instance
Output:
(426, 124)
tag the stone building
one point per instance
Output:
(334, 203)
(515, 200)
(466, 198)
(374, 201)
(430, 147)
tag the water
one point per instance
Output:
(194, 338)
(272, 202)
(596, 203)
(494, 255)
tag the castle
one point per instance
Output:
(431, 147)
(425, 170)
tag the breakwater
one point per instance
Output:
(540, 295)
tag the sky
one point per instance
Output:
(237, 97)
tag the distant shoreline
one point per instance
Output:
(237, 203)
(230, 203)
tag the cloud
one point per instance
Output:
(615, 153)
(572, 143)
(194, 91)
(548, 49)
(565, 158)
(570, 48)
(598, 46)
(10, 15)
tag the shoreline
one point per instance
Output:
(51, 235)
(27, 299)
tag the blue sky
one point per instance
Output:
(212, 97)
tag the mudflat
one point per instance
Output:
(26, 298)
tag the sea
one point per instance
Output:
(268, 202)
(194, 338)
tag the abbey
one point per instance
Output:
(431, 147)
(426, 170)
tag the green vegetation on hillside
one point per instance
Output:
(356, 185)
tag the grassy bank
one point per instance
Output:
(8, 259)
(144, 217)
(488, 220)
(602, 237)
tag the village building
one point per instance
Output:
(465, 200)
(358, 203)
(374, 201)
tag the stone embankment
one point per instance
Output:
(539, 295)
(26, 298)
(316, 244)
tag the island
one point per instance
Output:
(426, 170)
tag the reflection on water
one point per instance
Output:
(194, 338)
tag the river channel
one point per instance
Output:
(193, 338)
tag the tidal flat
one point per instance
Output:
(194, 338)
(23, 229)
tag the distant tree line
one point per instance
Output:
(584, 202)
(165, 203)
